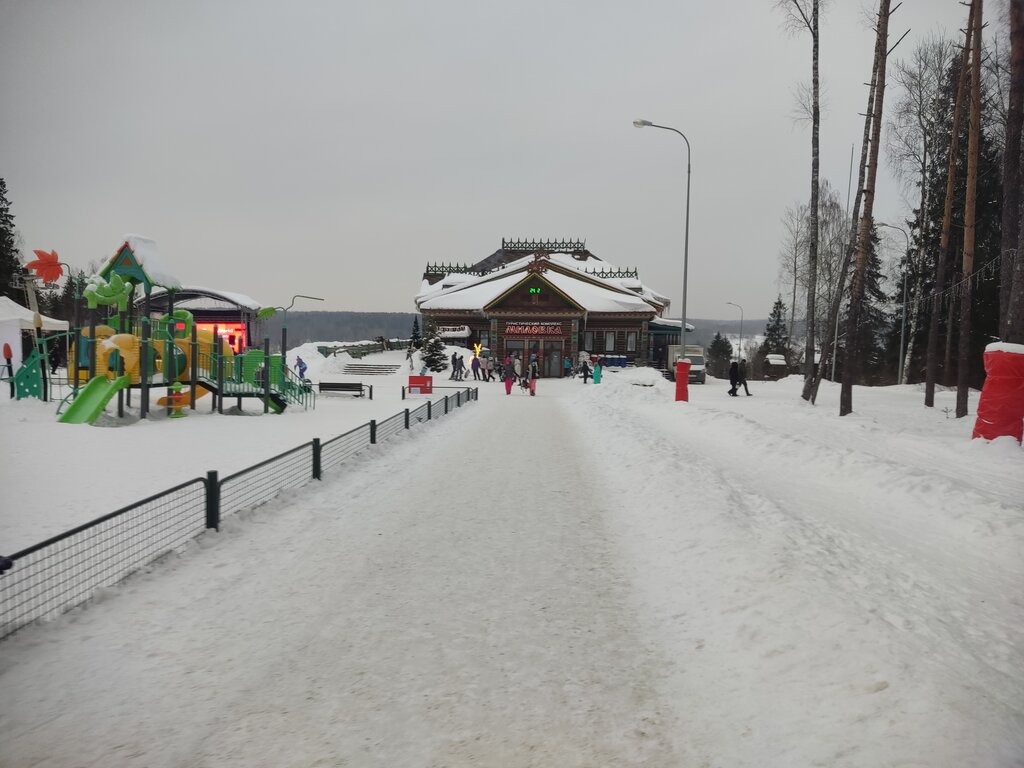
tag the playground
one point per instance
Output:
(147, 361)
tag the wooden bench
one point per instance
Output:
(356, 388)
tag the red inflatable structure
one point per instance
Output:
(682, 380)
(1001, 409)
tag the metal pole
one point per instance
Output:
(686, 236)
(903, 328)
(739, 351)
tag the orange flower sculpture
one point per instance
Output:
(46, 266)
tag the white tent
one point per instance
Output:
(14, 319)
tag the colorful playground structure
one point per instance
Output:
(122, 349)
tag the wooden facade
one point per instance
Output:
(547, 302)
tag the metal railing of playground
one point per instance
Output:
(56, 575)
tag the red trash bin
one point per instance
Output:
(682, 380)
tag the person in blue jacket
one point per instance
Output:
(597, 371)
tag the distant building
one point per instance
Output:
(546, 298)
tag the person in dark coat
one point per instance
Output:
(508, 375)
(585, 370)
(734, 377)
(742, 371)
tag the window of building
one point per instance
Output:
(588, 341)
(609, 341)
(631, 341)
(485, 338)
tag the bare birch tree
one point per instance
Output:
(793, 257)
(803, 15)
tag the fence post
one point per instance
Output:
(212, 500)
(406, 418)
(446, 405)
(458, 399)
(403, 391)
(316, 458)
(428, 410)
(373, 431)
(371, 391)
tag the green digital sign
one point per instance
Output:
(535, 289)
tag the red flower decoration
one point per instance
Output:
(46, 266)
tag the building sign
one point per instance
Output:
(533, 329)
(453, 331)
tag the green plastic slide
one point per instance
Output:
(93, 399)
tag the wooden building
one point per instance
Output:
(552, 299)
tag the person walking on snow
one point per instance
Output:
(300, 366)
(490, 369)
(597, 371)
(508, 375)
(517, 365)
(455, 366)
(585, 370)
(534, 372)
(742, 380)
(734, 377)
(475, 365)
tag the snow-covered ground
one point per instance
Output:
(595, 576)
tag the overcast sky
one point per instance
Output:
(333, 148)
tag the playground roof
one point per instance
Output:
(11, 312)
(138, 259)
(208, 298)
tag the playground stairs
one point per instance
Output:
(366, 369)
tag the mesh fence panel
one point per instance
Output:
(337, 449)
(59, 574)
(261, 483)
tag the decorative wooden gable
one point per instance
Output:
(534, 293)
(128, 268)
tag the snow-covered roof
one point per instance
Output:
(149, 258)
(593, 293)
(211, 296)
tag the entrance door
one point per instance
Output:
(551, 360)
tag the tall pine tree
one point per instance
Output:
(433, 350)
(719, 354)
(10, 266)
(416, 340)
(776, 340)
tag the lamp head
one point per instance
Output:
(642, 123)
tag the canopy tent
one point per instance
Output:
(14, 319)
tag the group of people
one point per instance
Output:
(512, 372)
(481, 367)
(738, 377)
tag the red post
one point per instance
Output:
(1001, 408)
(682, 380)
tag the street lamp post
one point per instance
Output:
(739, 351)
(903, 324)
(686, 240)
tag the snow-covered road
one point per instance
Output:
(584, 578)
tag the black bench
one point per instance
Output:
(353, 387)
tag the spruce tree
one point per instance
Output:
(719, 354)
(416, 340)
(776, 341)
(10, 266)
(433, 350)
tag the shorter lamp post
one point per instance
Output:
(903, 323)
(739, 350)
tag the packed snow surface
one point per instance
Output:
(596, 576)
